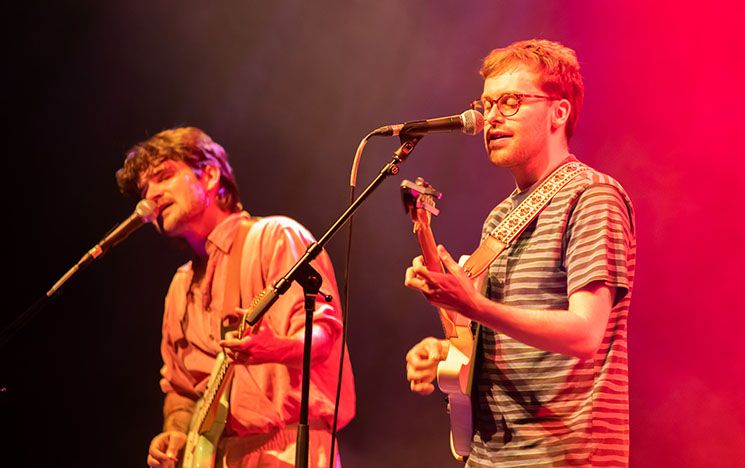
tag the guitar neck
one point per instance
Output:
(432, 262)
(429, 248)
(221, 376)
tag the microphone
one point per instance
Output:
(145, 211)
(469, 122)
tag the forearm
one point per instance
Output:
(577, 331)
(177, 412)
(321, 343)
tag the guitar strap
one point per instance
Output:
(518, 219)
(232, 297)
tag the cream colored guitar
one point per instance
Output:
(455, 373)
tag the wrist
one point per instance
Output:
(177, 421)
(480, 308)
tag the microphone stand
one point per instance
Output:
(307, 277)
(311, 282)
(272, 293)
(22, 320)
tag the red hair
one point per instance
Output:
(555, 64)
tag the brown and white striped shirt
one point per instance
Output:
(538, 408)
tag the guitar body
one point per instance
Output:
(455, 372)
(454, 376)
(209, 419)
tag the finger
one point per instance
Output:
(423, 364)
(412, 354)
(422, 349)
(435, 350)
(422, 388)
(230, 344)
(447, 260)
(420, 375)
(409, 277)
(416, 351)
(417, 284)
(156, 449)
(236, 344)
(417, 281)
(416, 359)
(174, 445)
(422, 359)
(418, 261)
(152, 462)
(420, 271)
(238, 356)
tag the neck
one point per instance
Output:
(197, 236)
(539, 165)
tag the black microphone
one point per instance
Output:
(469, 122)
(145, 211)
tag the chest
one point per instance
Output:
(532, 271)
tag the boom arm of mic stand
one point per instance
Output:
(408, 143)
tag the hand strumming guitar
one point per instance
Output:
(421, 364)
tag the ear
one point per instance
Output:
(210, 177)
(561, 112)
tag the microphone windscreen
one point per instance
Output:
(146, 210)
(473, 122)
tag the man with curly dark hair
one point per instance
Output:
(235, 257)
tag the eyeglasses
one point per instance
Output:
(507, 104)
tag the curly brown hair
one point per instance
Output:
(187, 144)
(555, 64)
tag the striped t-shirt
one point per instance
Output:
(538, 408)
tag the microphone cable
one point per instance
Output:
(345, 293)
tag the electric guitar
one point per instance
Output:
(455, 373)
(211, 411)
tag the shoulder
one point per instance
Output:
(281, 224)
(596, 181)
(594, 194)
(276, 229)
(183, 273)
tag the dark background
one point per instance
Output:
(289, 88)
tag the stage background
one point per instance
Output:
(289, 88)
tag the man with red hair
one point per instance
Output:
(551, 382)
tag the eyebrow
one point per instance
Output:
(150, 174)
(502, 93)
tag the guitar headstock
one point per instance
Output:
(419, 200)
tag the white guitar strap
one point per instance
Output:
(232, 298)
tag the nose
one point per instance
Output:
(494, 116)
(153, 192)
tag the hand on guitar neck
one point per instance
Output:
(265, 346)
